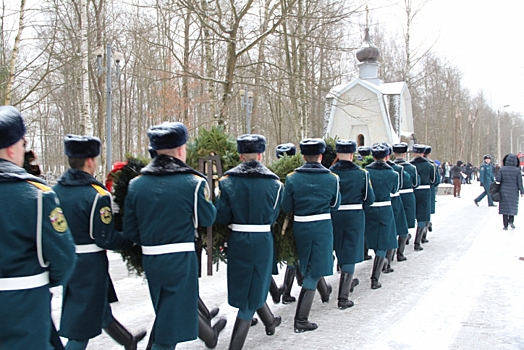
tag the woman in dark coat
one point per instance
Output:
(510, 179)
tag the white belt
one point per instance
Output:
(423, 187)
(310, 218)
(88, 248)
(396, 194)
(250, 228)
(26, 282)
(381, 204)
(168, 248)
(406, 190)
(350, 207)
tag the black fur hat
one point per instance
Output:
(419, 148)
(364, 151)
(167, 135)
(76, 146)
(12, 127)
(251, 143)
(379, 151)
(400, 148)
(312, 147)
(346, 146)
(285, 148)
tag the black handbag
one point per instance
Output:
(494, 190)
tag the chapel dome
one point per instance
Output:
(367, 52)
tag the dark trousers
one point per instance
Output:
(456, 187)
(507, 219)
(485, 193)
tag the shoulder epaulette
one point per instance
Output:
(40, 186)
(100, 190)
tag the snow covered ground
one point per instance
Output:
(463, 291)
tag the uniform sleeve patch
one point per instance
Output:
(105, 215)
(58, 220)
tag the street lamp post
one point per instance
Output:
(511, 136)
(499, 155)
(519, 143)
(117, 56)
(246, 101)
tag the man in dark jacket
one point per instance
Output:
(486, 177)
(32, 260)
(456, 176)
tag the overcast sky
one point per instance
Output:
(484, 39)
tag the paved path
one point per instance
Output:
(464, 291)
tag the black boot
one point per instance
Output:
(122, 336)
(366, 252)
(425, 233)
(208, 314)
(305, 300)
(389, 258)
(275, 291)
(288, 284)
(239, 335)
(401, 247)
(418, 238)
(375, 273)
(344, 287)
(324, 289)
(268, 319)
(208, 334)
(300, 276)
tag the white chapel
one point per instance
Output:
(368, 110)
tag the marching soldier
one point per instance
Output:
(37, 248)
(486, 177)
(349, 221)
(89, 211)
(426, 171)
(406, 194)
(311, 193)
(205, 332)
(291, 270)
(166, 230)
(381, 232)
(433, 189)
(398, 207)
(365, 151)
(249, 200)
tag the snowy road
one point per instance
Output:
(463, 291)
